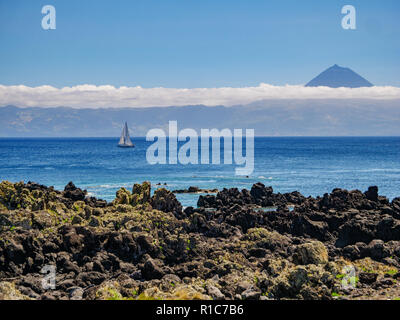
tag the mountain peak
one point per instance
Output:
(337, 76)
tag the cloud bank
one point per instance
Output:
(91, 96)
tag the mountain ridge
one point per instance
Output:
(333, 117)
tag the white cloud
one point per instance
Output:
(108, 96)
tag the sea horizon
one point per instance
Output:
(143, 137)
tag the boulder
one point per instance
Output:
(208, 201)
(260, 193)
(164, 200)
(372, 193)
(75, 293)
(251, 294)
(16, 252)
(377, 250)
(359, 229)
(368, 277)
(313, 252)
(74, 193)
(151, 270)
(215, 293)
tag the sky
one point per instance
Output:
(195, 44)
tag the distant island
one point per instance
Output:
(285, 117)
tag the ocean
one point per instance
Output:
(311, 165)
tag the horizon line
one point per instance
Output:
(144, 137)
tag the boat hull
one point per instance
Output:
(123, 146)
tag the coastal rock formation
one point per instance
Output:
(237, 244)
(166, 201)
(195, 190)
(74, 193)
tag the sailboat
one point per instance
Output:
(125, 140)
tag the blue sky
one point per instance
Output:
(193, 43)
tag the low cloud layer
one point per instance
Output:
(91, 96)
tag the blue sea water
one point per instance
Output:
(310, 165)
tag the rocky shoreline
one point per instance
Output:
(143, 246)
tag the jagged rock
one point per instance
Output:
(146, 243)
(166, 201)
(151, 270)
(73, 242)
(294, 197)
(356, 230)
(215, 293)
(368, 277)
(378, 250)
(396, 207)
(188, 211)
(76, 220)
(87, 278)
(352, 252)
(261, 194)
(95, 203)
(43, 219)
(207, 201)
(192, 189)
(251, 294)
(302, 225)
(388, 229)
(75, 293)
(94, 222)
(122, 196)
(141, 193)
(15, 252)
(74, 193)
(372, 193)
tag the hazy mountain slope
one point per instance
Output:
(271, 118)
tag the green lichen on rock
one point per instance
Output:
(180, 291)
(313, 252)
(16, 196)
(109, 291)
(122, 196)
(261, 237)
(309, 282)
(19, 196)
(141, 193)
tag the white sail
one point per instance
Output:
(128, 141)
(122, 139)
(125, 140)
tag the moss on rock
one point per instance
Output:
(313, 252)
(141, 193)
(9, 292)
